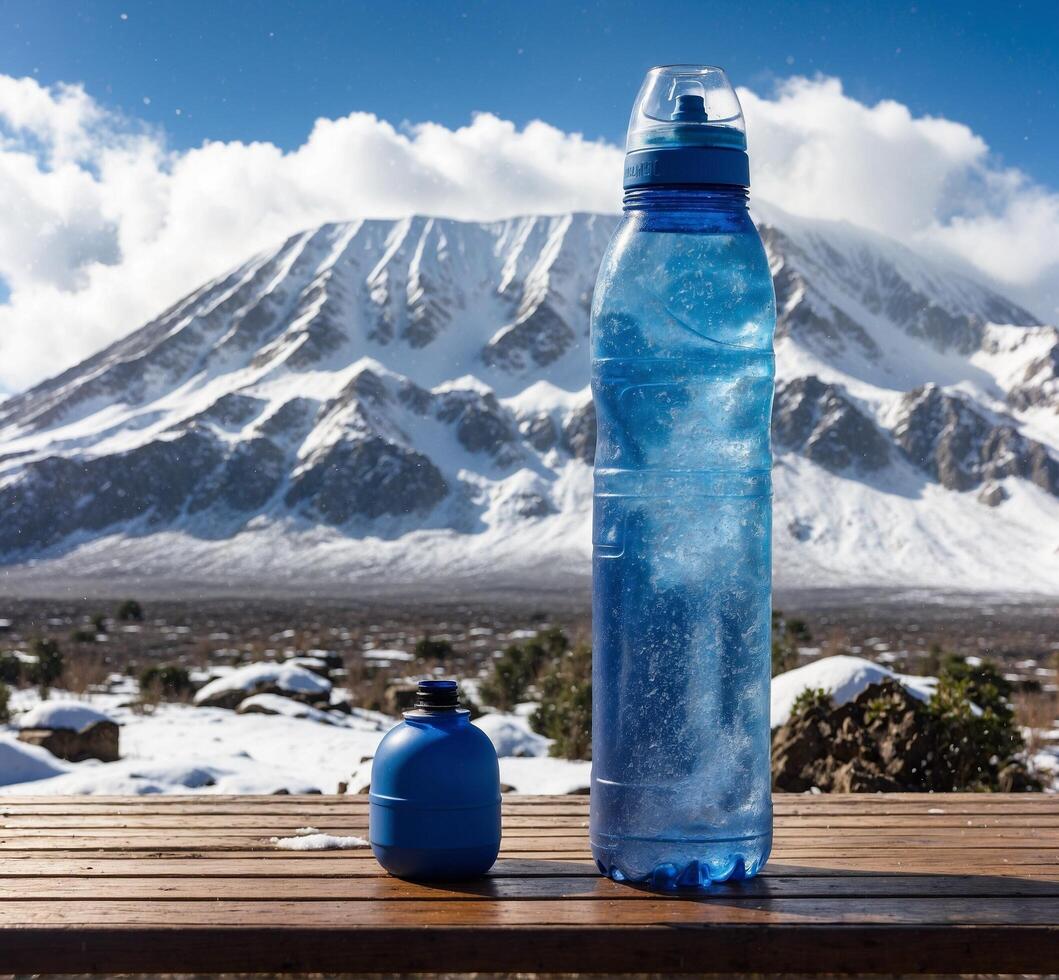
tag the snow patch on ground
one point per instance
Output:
(293, 679)
(26, 764)
(512, 736)
(180, 748)
(74, 716)
(276, 704)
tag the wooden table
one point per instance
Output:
(940, 884)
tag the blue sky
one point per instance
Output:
(265, 70)
(147, 147)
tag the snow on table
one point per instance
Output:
(315, 841)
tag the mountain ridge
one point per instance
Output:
(406, 399)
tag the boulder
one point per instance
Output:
(316, 664)
(882, 741)
(276, 704)
(100, 740)
(230, 690)
(70, 730)
(400, 697)
(512, 736)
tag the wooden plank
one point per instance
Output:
(929, 806)
(322, 866)
(784, 836)
(269, 821)
(29, 864)
(133, 840)
(143, 888)
(675, 910)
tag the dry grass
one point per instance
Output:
(84, 670)
(1036, 713)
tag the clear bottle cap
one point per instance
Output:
(686, 105)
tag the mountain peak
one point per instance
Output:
(406, 398)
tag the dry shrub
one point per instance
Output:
(85, 670)
(1035, 713)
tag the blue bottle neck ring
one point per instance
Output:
(686, 166)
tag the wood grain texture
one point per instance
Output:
(857, 884)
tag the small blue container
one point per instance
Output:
(435, 792)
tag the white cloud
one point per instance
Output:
(103, 226)
(927, 181)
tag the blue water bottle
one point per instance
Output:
(434, 808)
(682, 374)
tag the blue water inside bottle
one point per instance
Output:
(682, 376)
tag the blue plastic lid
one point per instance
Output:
(686, 128)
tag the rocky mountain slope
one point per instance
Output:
(398, 401)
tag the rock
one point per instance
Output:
(399, 698)
(992, 495)
(276, 704)
(819, 421)
(852, 777)
(962, 447)
(539, 431)
(367, 477)
(579, 433)
(883, 741)
(232, 411)
(100, 740)
(481, 424)
(58, 495)
(316, 664)
(246, 480)
(70, 730)
(230, 690)
(538, 337)
(512, 736)
(1014, 778)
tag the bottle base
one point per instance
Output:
(680, 865)
(448, 864)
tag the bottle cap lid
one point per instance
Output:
(686, 128)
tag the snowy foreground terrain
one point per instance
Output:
(394, 402)
(181, 748)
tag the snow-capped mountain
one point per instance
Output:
(400, 401)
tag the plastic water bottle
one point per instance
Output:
(434, 808)
(682, 374)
